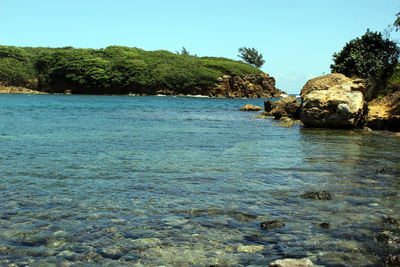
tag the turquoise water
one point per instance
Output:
(149, 181)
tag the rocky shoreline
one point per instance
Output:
(245, 86)
(19, 90)
(336, 101)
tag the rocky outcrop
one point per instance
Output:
(250, 107)
(328, 81)
(250, 86)
(333, 101)
(285, 107)
(384, 113)
(18, 90)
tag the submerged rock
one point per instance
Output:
(250, 107)
(391, 260)
(286, 122)
(322, 195)
(324, 225)
(250, 248)
(292, 263)
(391, 220)
(333, 101)
(272, 224)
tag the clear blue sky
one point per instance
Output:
(296, 37)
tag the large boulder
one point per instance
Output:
(325, 82)
(333, 105)
(285, 107)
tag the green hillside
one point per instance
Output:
(113, 70)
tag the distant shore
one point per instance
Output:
(19, 90)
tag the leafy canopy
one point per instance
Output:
(113, 70)
(371, 57)
(251, 56)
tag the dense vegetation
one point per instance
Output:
(113, 70)
(371, 57)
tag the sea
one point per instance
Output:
(187, 181)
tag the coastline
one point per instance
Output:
(19, 90)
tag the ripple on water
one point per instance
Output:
(170, 181)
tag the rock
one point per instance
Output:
(391, 260)
(336, 107)
(323, 195)
(367, 130)
(325, 82)
(250, 248)
(291, 263)
(269, 105)
(263, 115)
(391, 220)
(251, 86)
(286, 122)
(250, 107)
(272, 224)
(384, 113)
(113, 253)
(390, 238)
(324, 225)
(285, 107)
(18, 90)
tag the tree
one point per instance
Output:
(251, 56)
(183, 52)
(370, 57)
(397, 22)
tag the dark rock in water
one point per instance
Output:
(391, 220)
(385, 170)
(390, 238)
(272, 224)
(285, 107)
(323, 195)
(269, 105)
(324, 225)
(391, 260)
(112, 253)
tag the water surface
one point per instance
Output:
(119, 180)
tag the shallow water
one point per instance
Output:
(119, 180)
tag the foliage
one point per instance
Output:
(251, 56)
(370, 57)
(397, 22)
(183, 52)
(113, 70)
(16, 67)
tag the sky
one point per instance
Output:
(296, 37)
